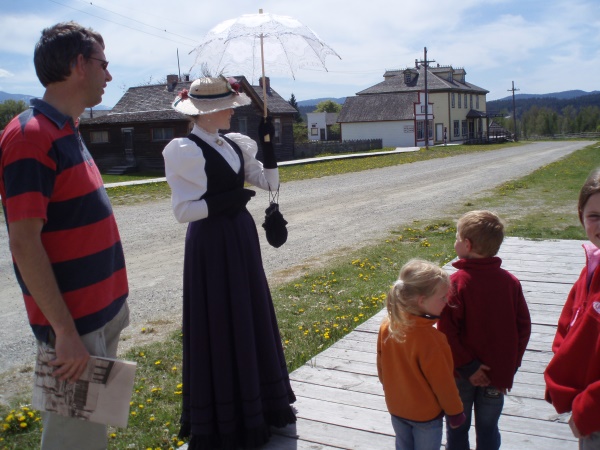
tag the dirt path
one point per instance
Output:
(327, 217)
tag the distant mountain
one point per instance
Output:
(564, 95)
(316, 101)
(549, 101)
(16, 97)
(6, 96)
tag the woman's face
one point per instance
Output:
(221, 119)
(591, 219)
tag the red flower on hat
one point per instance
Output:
(234, 85)
(183, 94)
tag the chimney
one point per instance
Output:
(172, 82)
(267, 83)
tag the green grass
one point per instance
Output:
(321, 306)
(150, 192)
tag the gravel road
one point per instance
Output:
(327, 216)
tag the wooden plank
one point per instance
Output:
(348, 381)
(337, 436)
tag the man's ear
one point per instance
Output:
(78, 66)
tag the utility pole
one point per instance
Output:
(514, 110)
(425, 63)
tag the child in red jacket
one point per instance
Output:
(487, 324)
(573, 375)
(414, 362)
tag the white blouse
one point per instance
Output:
(184, 168)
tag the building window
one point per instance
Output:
(420, 130)
(407, 77)
(477, 101)
(456, 128)
(243, 125)
(465, 101)
(314, 131)
(277, 125)
(98, 137)
(162, 134)
(453, 99)
(464, 127)
(471, 101)
(430, 129)
(460, 101)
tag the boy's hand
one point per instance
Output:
(480, 378)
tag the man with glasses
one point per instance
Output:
(63, 236)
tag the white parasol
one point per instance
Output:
(247, 43)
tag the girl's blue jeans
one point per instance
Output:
(417, 435)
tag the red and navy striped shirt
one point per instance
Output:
(46, 172)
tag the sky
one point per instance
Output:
(543, 46)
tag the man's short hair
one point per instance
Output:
(58, 48)
(484, 230)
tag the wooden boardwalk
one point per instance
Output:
(340, 400)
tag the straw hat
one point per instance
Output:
(208, 95)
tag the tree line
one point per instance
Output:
(547, 116)
(9, 109)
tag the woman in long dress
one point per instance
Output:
(235, 379)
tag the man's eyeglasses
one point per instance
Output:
(104, 64)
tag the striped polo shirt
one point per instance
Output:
(46, 172)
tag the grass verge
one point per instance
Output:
(125, 195)
(322, 306)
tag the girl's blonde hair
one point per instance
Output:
(418, 278)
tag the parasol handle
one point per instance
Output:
(264, 81)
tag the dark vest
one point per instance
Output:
(220, 177)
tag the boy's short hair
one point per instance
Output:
(58, 48)
(589, 188)
(484, 230)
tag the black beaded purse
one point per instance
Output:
(275, 224)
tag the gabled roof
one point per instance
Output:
(379, 107)
(153, 103)
(395, 82)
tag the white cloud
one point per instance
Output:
(542, 46)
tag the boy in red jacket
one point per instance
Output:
(487, 324)
(573, 375)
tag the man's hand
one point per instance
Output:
(574, 429)
(71, 358)
(480, 377)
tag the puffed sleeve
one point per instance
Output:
(184, 168)
(255, 173)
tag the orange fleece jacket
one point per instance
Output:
(417, 374)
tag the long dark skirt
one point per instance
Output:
(235, 380)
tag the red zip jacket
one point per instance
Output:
(573, 375)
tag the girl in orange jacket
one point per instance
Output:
(414, 361)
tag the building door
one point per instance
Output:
(439, 132)
(127, 134)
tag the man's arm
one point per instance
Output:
(36, 271)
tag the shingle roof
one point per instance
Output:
(153, 103)
(395, 83)
(275, 103)
(378, 107)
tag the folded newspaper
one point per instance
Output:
(101, 395)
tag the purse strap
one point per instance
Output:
(273, 196)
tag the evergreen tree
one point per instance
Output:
(294, 104)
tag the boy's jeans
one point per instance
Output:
(488, 403)
(417, 435)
